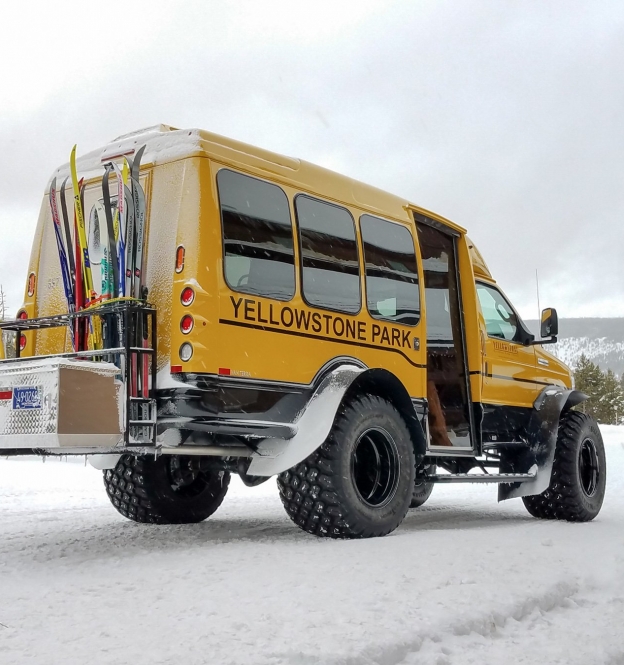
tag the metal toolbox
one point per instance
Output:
(60, 402)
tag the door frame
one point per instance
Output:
(454, 235)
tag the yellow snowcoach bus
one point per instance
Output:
(198, 307)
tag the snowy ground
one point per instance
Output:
(463, 580)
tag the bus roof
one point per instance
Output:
(167, 144)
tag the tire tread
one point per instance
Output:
(561, 501)
(307, 491)
(132, 491)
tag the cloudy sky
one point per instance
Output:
(506, 117)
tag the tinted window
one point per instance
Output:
(330, 268)
(500, 319)
(391, 274)
(257, 236)
(437, 253)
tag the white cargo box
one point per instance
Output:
(60, 403)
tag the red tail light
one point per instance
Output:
(22, 315)
(186, 325)
(187, 297)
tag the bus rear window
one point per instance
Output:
(257, 236)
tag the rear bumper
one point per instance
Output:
(277, 426)
(224, 406)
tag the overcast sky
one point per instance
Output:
(506, 117)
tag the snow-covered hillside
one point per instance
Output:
(463, 580)
(601, 340)
(606, 353)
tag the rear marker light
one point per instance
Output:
(187, 297)
(186, 325)
(32, 280)
(186, 351)
(224, 371)
(176, 369)
(179, 263)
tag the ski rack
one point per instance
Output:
(130, 316)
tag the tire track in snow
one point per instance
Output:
(431, 646)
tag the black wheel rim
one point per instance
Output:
(589, 467)
(186, 477)
(375, 467)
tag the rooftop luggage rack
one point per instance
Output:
(132, 323)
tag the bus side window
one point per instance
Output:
(391, 275)
(329, 255)
(257, 236)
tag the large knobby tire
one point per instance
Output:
(577, 485)
(171, 489)
(359, 483)
(422, 489)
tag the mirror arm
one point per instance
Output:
(528, 339)
(550, 340)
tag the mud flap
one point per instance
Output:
(542, 440)
(313, 426)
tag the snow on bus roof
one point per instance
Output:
(165, 143)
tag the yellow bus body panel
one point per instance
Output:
(250, 336)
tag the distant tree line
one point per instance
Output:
(606, 393)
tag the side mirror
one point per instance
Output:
(550, 323)
(549, 327)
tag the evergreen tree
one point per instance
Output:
(606, 393)
(589, 380)
(611, 403)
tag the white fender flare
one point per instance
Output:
(313, 425)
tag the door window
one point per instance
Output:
(500, 319)
(391, 274)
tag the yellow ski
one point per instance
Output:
(82, 235)
(95, 338)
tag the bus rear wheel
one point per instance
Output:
(359, 483)
(171, 489)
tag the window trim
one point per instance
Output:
(527, 335)
(292, 228)
(300, 248)
(420, 298)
